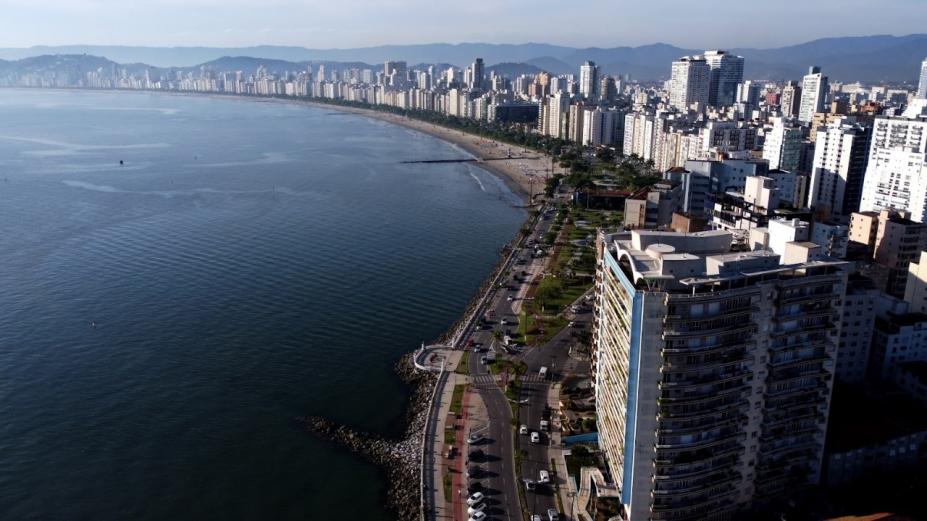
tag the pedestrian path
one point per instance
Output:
(483, 379)
(534, 379)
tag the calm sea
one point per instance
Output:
(164, 319)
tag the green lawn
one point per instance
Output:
(457, 399)
(463, 367)
(447, 487)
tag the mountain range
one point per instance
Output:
(879, 58)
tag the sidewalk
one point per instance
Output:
(443, 509)
(565, 489)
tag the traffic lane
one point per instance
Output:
(537, 454)
(499, 476)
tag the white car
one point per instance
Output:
(545, 425)
(545, 476)
(535, 437)
(478, 516)
(523, 429)
(474, 438)
(510, 298)
(479, 507)
(536, 517)
(477, 497)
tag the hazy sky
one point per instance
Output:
(356, 23)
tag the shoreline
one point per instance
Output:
(400, 458)
(511, 171)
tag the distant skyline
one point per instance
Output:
(361, 23)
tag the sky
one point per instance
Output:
(360, 23)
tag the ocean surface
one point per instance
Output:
(163, 320)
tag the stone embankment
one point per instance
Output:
(399, 459)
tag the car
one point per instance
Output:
(474, 487)
(530, 485)
(476, 497)
(571, 324)
(510, 298)
(544, 476)
(477, 454)
(479, 507)
(476, 349)
(484, 360)
(504, 322)
(474, 439)
(553, 515)
(474, 471)
(478, 516)
(535, 437)
(536, 517)
(523, 429)
(545, 425)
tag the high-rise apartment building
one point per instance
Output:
(896, 176)
(727, 71)
(790, 101)
(589, 81)
(477, 74)
(713, 371)
(782, 147)
(922, 83)
(841, 153)
(814, 88)
(689, 83)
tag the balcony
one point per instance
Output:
(704, 350)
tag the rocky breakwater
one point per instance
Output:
(400, 459)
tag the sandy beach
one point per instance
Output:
(524, 171)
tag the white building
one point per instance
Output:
(689, 83)
(857, 318)
(784, 231)
(782, 147)
(922, 84)
(589, 81)
(840, 158)
(813, 94)
(896, 176)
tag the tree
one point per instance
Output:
(549, 289)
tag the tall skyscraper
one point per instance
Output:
(896, 176)
(790, 100)
(712, 370)
(922, 84)
(589, 81)
(813, 94)
(841, 153)
(727, 71)
(477, 74)
(690, 81)
(608, 91)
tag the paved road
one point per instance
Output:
(497, 463)
(555, 356)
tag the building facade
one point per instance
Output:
(712, 370)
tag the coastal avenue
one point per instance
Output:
(534, 397)
(499, 448)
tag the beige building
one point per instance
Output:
(915, 291)
(896, 242)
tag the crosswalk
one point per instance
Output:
(533, 379)
(487, 379)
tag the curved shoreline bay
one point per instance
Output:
(163, 320)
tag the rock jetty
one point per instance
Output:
(399, 459)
